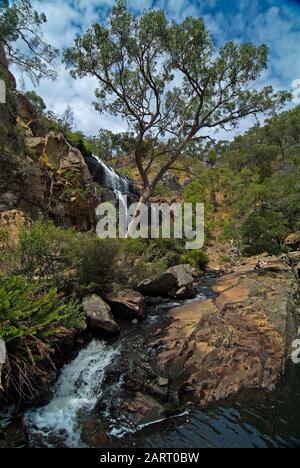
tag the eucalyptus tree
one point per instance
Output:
(21, 39)
(169, 83)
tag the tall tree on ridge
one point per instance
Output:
(169, 83)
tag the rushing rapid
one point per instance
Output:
(77, 390)
(73, 419)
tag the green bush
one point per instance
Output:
(95, 261)
(8, 256)
(197, 258)
(264, 231)
(43, 249)
(225, 259)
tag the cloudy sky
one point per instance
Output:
(276, 23)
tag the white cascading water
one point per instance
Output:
(77, 389)
(117, 183)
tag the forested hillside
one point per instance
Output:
(251, 186)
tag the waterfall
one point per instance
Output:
(118, 184)
(77, 390)
(111, 179)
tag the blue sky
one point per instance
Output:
(276, 23)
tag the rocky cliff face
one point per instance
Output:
(40, 173)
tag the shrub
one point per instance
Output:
(197, 258)
(43, 249)
(8, 257)
(95, 261)
(225, 259)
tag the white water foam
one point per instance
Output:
(78, 389)
(112, 179)
(122, 431)
(118, 184)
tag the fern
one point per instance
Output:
(27, 310)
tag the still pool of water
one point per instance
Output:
(253, 420)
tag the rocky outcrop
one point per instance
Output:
(171, 181)
(40, 173)
(128, 304)
(11, 222)
(239, 340)
(143, 409)
(71, 195)
(293, 259)
(176, 282)
(54, 180)
(293, 241)
(98, 315)
(215, 348)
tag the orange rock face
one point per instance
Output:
(239, 340)
(12, 221)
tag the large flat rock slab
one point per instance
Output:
(239, 340)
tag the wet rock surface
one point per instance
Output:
(14, 434)
(128, 304)
(206, 351)
(99, 316)
(176, 282)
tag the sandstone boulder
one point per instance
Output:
(98, 315)
(8, 201)
(176, 282)
(128, 304)
(63, 185)
(206, 351)
(35, 147)
(293, 241)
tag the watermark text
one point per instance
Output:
(153, 221)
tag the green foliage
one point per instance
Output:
(265, 172)
(4, 236)
(142, 258)
(162, 190)
(197, 258)
(135, 59)
(27, 310)
(43, 249)
(225, 259)
(36, 100)
(264, 231)
(127, 172)
(95, 261)
(22, 38)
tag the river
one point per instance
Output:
(73, 418)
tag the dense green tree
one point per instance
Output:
(37, 101)
(21, 38)
(136, 60)
(264, 204)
